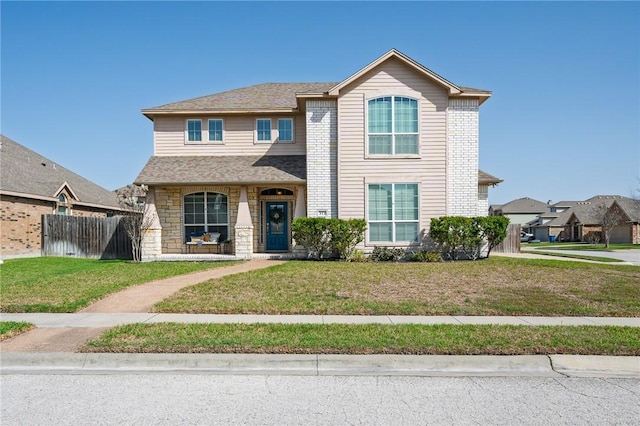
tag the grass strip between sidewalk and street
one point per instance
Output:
(444, 339)
(9, 329)
(62, 284)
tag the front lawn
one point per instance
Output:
(496, 286)
(583, 246)
(63, 284)
(442, 339)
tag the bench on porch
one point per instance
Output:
(201, 239)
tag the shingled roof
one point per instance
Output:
(269, 97)
(266, 96)
(524, 205)
(485, 178)
(224, 170)
(26, 173)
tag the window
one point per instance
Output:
(393, 126)
(215, 130)
(285, 130)
(393, 212)
(62, 205)
(263, 127)
(194, 130)
(206, 212)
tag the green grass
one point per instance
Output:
(61, 284)
(367, 339)
(576, 256)
(497, 286)
(9, 329)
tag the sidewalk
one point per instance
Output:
(52, 346)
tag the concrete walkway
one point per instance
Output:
(52, 345)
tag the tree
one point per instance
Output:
(135, 216)
(609, 218)
(493, 229)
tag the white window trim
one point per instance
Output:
(220, 142)
(377, 181)
(293, 130)
(186, 132)
(393, 135)
(205, 224)
(255, 132)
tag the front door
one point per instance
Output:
(277, 235)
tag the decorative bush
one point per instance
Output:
(386, 254)
(457, 235)
(325, 238)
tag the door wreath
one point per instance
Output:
(276, 214)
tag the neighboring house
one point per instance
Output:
(394, 143)
(31, 186)
(581, 221)
(629, 230)
(520, 211)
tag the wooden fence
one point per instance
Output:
(511, 243)
(88, 237)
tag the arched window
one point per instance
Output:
(62, 207)
(392, 126)
(276, 191)
(206, 212)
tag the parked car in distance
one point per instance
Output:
(525, 237)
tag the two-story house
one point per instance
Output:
(394, 143)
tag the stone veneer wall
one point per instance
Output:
(322, 142)
(462, 157)
(21, 223)
(168, 201)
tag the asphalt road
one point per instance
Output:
(150, 399)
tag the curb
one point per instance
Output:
(322, 365)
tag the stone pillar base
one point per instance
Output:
(151, 244)
(244, 241)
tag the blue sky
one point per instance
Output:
(563, 122)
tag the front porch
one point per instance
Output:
(250, 221)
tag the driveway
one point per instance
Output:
(631, 256)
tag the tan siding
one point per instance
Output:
(238, 137)
(392, 78)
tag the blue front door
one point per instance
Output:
(277, 224)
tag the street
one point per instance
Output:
(39, 399)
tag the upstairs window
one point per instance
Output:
(62, 206)
(285, 130)
(263, 130)
(215, 130)
(194, 130)
(392, 126)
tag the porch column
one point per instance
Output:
(244, 227)
(301, 205)
(151, 246)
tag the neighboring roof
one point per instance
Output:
(181, 170)
(631, 208)
(485, 178)
(281, 97)
(524, 205)
(24, 172)
(267, 97)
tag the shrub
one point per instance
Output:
(386, 254)
(344, 235)
(458, 234)
(324, 237)
(358, 256)
(425, 256)
(312, 234)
